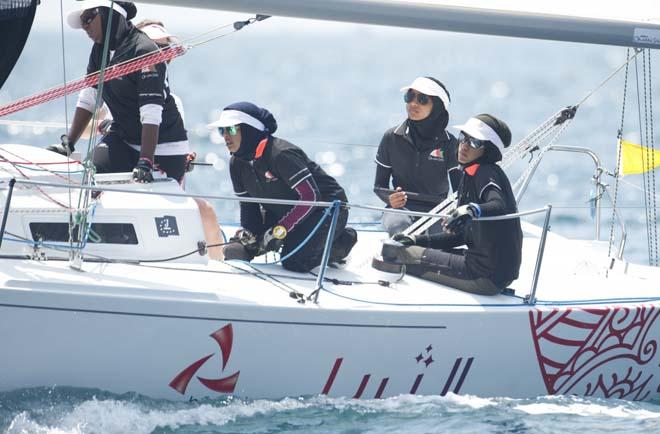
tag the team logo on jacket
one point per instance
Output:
(437, 155)
(269, 176)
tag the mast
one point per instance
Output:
(436, 16)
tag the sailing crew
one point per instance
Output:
(492, 258)
(416, 155)
(147, 130)
(265, 166)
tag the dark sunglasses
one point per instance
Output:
(232, 130)
(422, 99)
(474, 143)
(88, 16)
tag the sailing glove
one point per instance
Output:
(143, 171)
(406, 240)
(63, 148)
(273, 239)
(460, 216)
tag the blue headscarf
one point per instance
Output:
(250, 136)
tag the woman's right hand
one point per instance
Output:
(398, 199)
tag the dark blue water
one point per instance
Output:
(334, 95)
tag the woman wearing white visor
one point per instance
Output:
(492, 258)
(417, 155)
(265, 166)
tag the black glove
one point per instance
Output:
(143, 171)
(406, 240)
(248, 240)
(460, 216)
(62, 148)
(273, 238)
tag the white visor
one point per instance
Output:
(229, 118)
(429, 87)
(480, 130)
(156, 32)
(73, 18)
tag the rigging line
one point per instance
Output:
(645, 158)
(618, 159)
(653, 195)
(641, 135)
(66, 110)
(610, 77)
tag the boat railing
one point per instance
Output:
(333, 211)
(601, 189)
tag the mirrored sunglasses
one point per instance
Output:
(410, 96)
(474, 143)
(88, 15)
(232, 130)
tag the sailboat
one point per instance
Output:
(103, 285)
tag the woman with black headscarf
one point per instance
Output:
(417, 155)
(147, 130)
(264, 166)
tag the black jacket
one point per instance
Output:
(125, 95)
(274, 174)
(494, 247)
(420, 169)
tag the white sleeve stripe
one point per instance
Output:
(298, 173)
(381, 164)
(240, 193)
(487, 185)
(301, 180)
(151, 114)
(87, 99)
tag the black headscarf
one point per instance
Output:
(250, 136)
(424, 132)
(120, 26)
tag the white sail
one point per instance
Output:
(630, 23)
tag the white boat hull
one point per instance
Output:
(135, 342)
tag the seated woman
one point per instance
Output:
(264, 166)
(417, 155)
(492, 258)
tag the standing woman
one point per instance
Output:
(416, 155)
(264, 166)
(147, 130)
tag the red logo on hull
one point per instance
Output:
(225, 338)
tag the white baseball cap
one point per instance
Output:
(156, 32)
(73, 18)
(429, 87)
(229, 118)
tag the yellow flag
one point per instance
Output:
(636, 159)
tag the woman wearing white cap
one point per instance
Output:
(492, 258)
(265, 166)
(147, 131)
(417, 155)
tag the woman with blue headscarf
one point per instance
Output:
(265, 166)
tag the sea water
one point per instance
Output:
(334, 94)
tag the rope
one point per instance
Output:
(121, 69)
(652, 195)
(115, 71)
(618, 157)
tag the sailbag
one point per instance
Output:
(16, 17)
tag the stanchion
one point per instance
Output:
(5, 214)
(336, 207)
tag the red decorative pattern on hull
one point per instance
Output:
(596, 352)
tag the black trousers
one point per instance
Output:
(310, 255)
(449, 268)
(113, 155)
